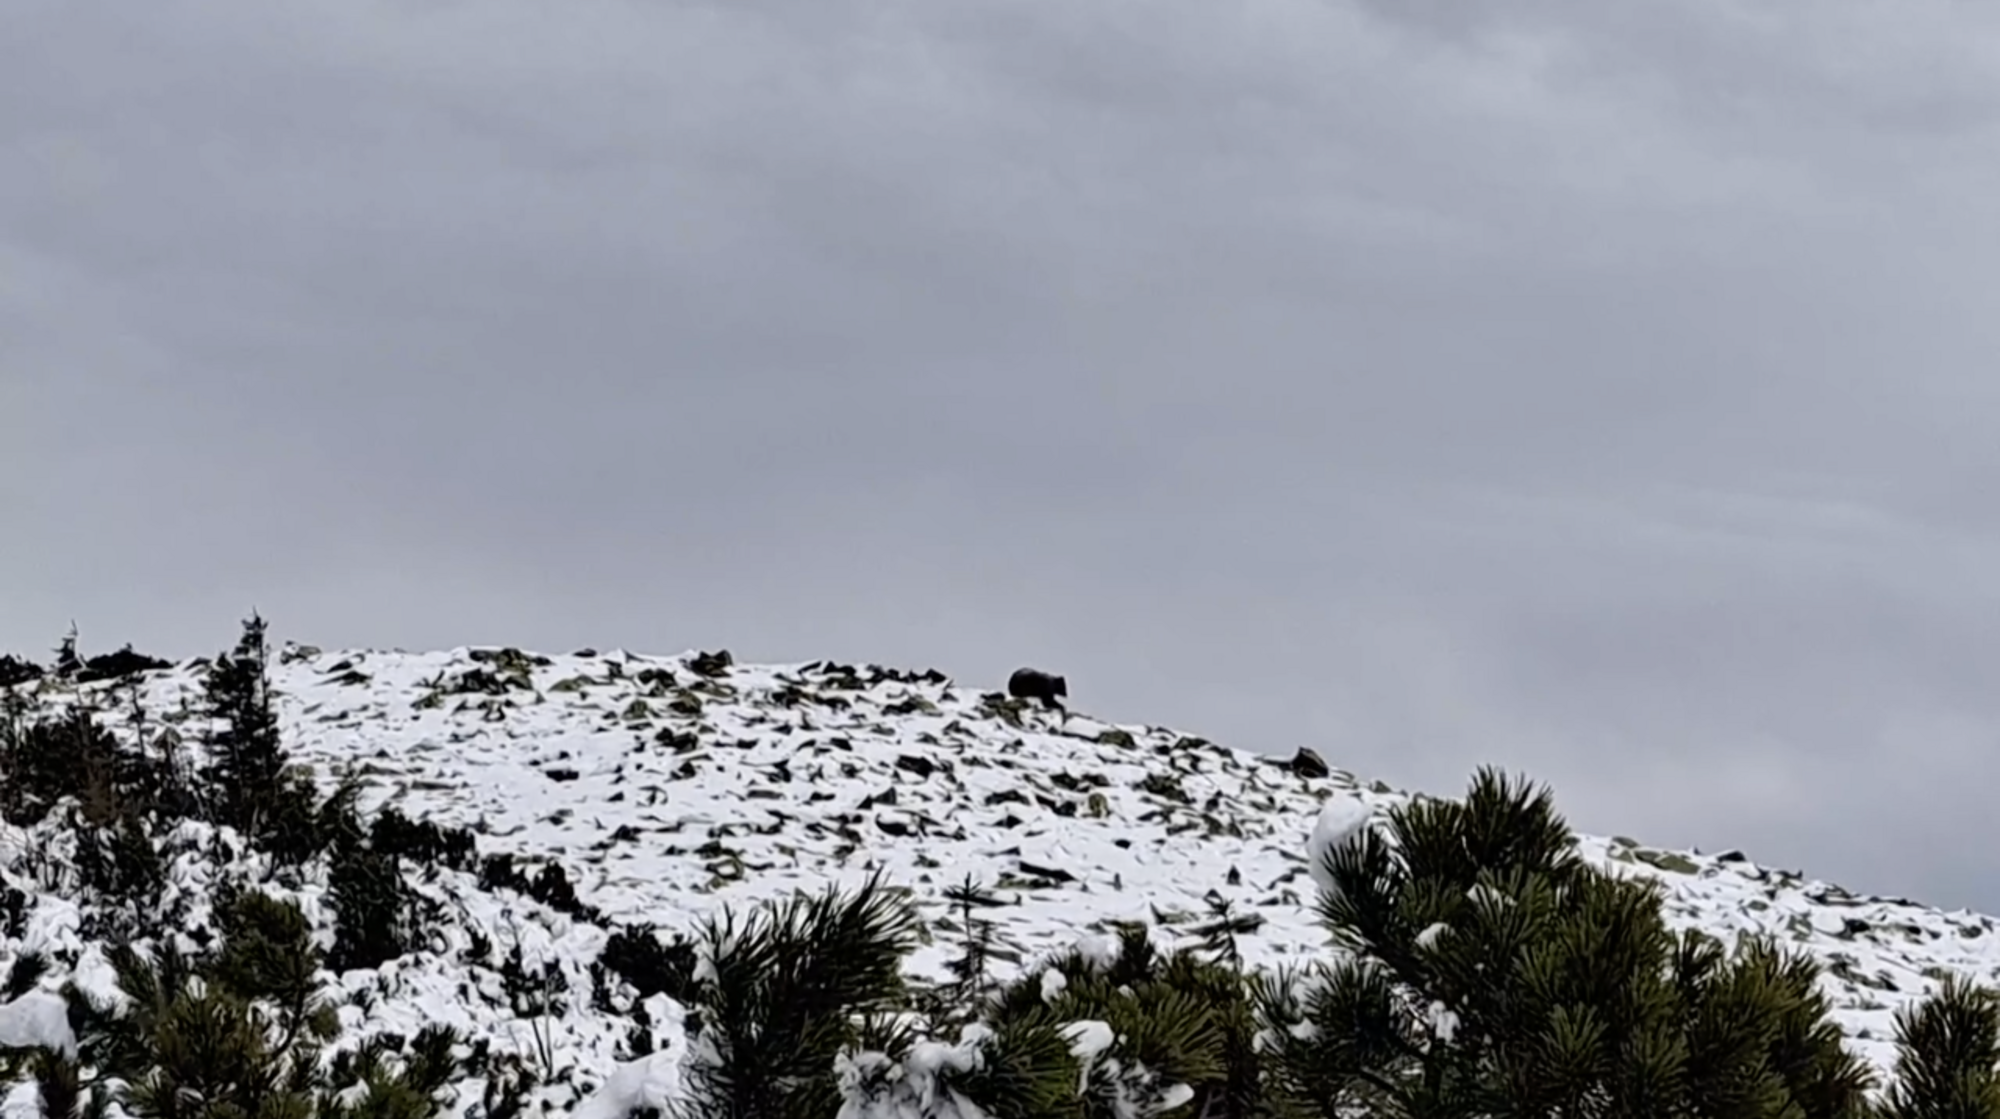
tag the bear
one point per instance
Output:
(1029, 683)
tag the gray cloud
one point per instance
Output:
(1593, 391)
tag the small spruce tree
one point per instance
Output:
(251, 786)
(67, 664)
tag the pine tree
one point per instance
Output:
(251, 786)
(1484, 969)
(1948, 1050)
(1225, 986)
(246, 759)
(67, 663)
(1184, 1026)
(374, 908)
(782, 993)
(959, 1002)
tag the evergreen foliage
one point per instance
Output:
(239, 1029)
(377, 916)
(1184, 1022)
(1487, 970)
(236, 1033)
(1948, 1060)
(233, 1033)
(117, 665)
(72, 755)
(779, 993)
(639, 957)
(254, 790)
(67, 664)
(18, 670)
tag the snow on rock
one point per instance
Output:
(1342, 820)
(652, 1081)
(37, 1019)
(22, 1101)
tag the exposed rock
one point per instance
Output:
(713, 664)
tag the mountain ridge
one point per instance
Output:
(669, 786)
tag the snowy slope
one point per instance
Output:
(669, 786)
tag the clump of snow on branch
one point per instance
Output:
(1087, 1042)
(1133, 1090)
(1097, 950)
(1342, 820)
(1443, 1021)
(874, 1085)
(35, 1020)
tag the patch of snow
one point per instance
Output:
(1097, 950)
(22, 1101)
(37, 1019)
(651, 1081)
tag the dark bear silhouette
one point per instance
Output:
(1029, 683)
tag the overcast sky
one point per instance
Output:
(1607, 391)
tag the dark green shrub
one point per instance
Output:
(1948, 1051)
(1488, 970)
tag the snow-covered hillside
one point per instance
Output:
(666, 787)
